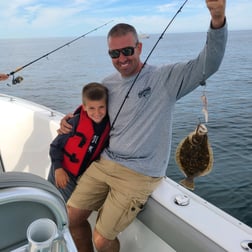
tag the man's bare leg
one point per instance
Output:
(104, 245)
(80, 229)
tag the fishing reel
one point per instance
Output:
(16, 80)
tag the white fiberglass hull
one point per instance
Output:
(26, 131)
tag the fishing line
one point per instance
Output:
(203, 96)
(153, 48)
(20, 78)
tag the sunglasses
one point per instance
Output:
(126, 51)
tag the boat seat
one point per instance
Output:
(25, 197)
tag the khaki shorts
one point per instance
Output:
(117, 192)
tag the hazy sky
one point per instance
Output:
(47, 18)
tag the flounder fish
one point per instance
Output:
(194, 156)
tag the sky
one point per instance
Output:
(69, 18)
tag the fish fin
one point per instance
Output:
(188, 183)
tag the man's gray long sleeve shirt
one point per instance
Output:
(141, 138)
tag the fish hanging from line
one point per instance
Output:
(194, 156)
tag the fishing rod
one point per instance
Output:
(153, 48)
(20, 78)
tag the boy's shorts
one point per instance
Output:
(117, 192)
(70, 186)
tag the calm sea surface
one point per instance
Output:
(56, 81)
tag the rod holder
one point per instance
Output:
(42, 234)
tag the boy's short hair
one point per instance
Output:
(94, 91)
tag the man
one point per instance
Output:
(130, 168)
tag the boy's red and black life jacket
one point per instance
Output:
(77, 145)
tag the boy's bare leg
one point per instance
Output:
(80, 229)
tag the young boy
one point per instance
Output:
(72, 153)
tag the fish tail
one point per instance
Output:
(188, 183)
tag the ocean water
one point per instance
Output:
(56, 81)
